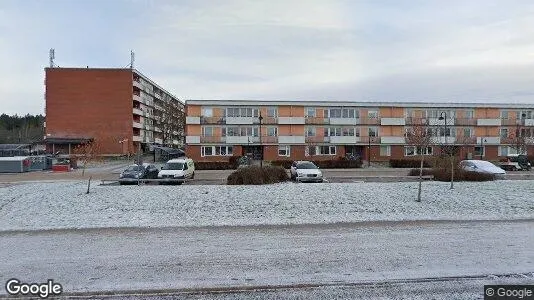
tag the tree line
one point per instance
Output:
(21, 129)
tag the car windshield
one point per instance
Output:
(174, 166)
(306, 165)
(134, 168)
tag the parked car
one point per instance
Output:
(516, 162)
(482, 166)
(305, 171)
(135, 173)
(177, 171)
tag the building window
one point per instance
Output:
(272, 112)
(311, 150)
(310, 112)
(469, 114)
(411, 151)
(480, 151)
(373, 131)
(385, 150)
(284, 151)
(242, 112)
(272, 131)
(504, 114)
(332, 131)
(207, 112)
(349, 113)
(372, 114)
(348, 131)
(326, 150)
(504, 132)
(207, 131)
(524, 114)
(468, 132)
(240, 131)
(309, 131)
(216, 151)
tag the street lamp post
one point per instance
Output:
(482, 140)
(369, 152)
(443, 116)
(260, 118)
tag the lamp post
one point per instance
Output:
(260, 118)
(482, 140)
(443, 116)
(518, 139)
(369, 152)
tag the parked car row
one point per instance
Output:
(175, 171)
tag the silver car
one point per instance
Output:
(305, 171)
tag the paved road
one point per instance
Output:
(306, 256)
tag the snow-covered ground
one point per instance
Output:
(65, 204)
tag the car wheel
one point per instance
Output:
(193, 175)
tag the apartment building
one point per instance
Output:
(298, 130)
(121, 108)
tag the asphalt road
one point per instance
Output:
(368, 258)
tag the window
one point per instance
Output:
(469, 114)
(207, 131)
(332, 131)
(480, 151)
(334, 113)
(504, 114)
(349, 113)
(283, 151)
(373, 131)
(385, 150)
(272, 112)
(446, 131)
(310, 112)
(326, 150)
(526, 132)
(272, 131)
(312, 150)
(240, 131)
(348, 131)
(207, 112)
(372, 114)
(216, 151)
(524, 114)
(309, 131)
(468, 132)
(241, 112)
(504, 132)
(411, 151)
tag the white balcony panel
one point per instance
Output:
(437, 121)
(291, 120)
(344, 139)
(443, 140)
(529, 122)
(137, 125)
(489, 122)
(192, 139)
(344, 121)
(393, 121)
(291, 139)
(137, 98)
(137, 111)
(136, 138)
(489, 140)
(138, 84)
(243, 140)
(242, 120)
(392, 140)
(192, 120)
(158, 96)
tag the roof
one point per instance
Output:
(359, 104)
(66, 140)
(13, 146)
(14, 158)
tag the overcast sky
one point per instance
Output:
(376, 50)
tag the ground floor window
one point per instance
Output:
(480, 151)
(412, 151)
(326, 150)
(284, 151)
(385, 150)
(216, 151)
(507, 150)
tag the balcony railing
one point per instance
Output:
(212, 120)
(317, 121)
(315, 139)
(212, 139)
(465, 122)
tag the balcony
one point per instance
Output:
(192, 139)
(342, 139)
(158, 141)
(212, 139)
(315, 139)
(242, 140)
(291, 120)
(438, 122)
(392, 140)
(317, 121)
(137, 84)
(242, 120)
(369, 121)
(465, 122)
(291, 139)
(136, 98)
(393, 121)
(136, 138)
(371, 139)
(212, 120)
(343, 121)
(192, 120)
(157, 96)
(269, 139)
(528, 122)
(489, 140)
(443, 139)
(466, 140)
(270, 120)
(137, 125)
(488, 122)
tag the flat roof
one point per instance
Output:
(360, 104)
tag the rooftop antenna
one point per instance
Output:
(52, 56)
(132, 59)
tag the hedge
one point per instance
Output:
(253, 175)
(213, 165)
(409, 163)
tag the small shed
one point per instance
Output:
(15, 164)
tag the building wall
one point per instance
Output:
(90, 103)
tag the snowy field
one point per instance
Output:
(65, 204)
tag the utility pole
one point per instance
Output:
(261, 146)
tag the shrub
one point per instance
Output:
(409, 163)
(213, 165)
(415, 172)
(282, 163)
(257, 175)
(234, 161)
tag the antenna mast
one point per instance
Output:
(132, 59)
(52, 56)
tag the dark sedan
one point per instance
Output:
(135, 173)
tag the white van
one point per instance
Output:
(177, 171)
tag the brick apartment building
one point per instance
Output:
(121, 108)
(298, 130)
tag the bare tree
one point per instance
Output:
(90, 151)
(170, 120)
(419, 136)
(520, 141)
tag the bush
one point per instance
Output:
(234, 161)
(409, 163)
(286, 164)
(257, 175)
(213, 165)
(415, 172)
(324, 164)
